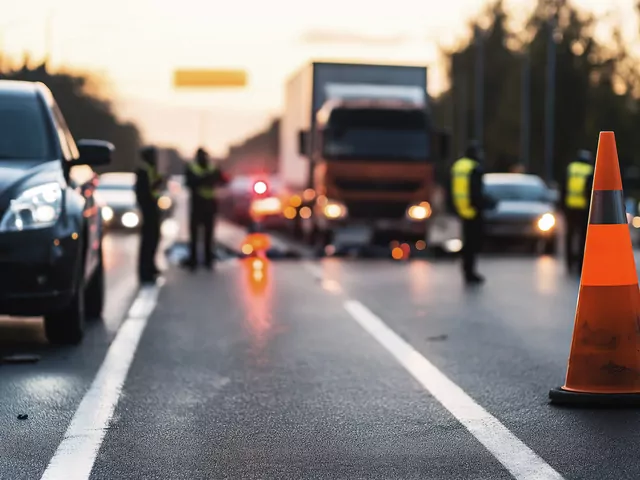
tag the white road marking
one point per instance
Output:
(513, 454)
(76, 454)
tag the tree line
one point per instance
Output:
(88, 115)
(596, 88)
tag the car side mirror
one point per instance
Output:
(94, 153)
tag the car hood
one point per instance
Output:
(118, 199)
(519, 209)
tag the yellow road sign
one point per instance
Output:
(203, 78)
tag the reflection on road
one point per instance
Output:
(257, 298)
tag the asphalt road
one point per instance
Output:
(314, 369)
(50, 390)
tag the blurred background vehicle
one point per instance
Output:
(116, 193)
(524, 213)
(244, 193)
(117, 196)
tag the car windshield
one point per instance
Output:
(115, 186)
(524, 192)
(377, 134)
(24, 129)
(117, 181)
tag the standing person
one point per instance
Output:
(576, 196)
(469, 202)
(202, 180)
(148, 189)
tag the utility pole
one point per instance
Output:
(479, 86)
(525, 122)
(550, 98)
(463, 112)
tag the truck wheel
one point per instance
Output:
(66, 326)
(94, 293)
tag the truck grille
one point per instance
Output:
(380, 185)
(376, 209)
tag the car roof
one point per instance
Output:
(118, 178)
(20, 88)
(513, 179)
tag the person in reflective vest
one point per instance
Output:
(576, 197)
(468, 203)
(203, 178)
(148, 190)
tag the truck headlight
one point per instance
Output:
(36, 207)
(334, 210)
(546, 222)
(420, 211)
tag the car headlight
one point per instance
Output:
(36, 207)
(420, 211)
(107, 214)
(130, 220)
(546, 222)
(334, 210)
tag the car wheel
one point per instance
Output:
(94, 293)
(66, 326)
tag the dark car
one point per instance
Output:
(50, 227)
(524, 210)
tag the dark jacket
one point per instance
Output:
(194, 182)
(563, 188)
(147, 202)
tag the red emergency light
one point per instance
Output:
(260, 187)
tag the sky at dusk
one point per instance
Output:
(134, 45)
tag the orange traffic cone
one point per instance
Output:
(604, 363)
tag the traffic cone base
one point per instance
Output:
(604, 362)
(561, 396)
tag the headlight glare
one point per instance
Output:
(334, 210)
(420, 211)
(546, 222)
(36, 207)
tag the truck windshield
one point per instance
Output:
(377, 134)
(24, 132)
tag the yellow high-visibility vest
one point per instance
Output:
(154, 176)
(461, 187)
(207, 192)
(577, 174)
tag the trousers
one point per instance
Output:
(149, 240)
(472, 241)
(576, 237)
(202, 217)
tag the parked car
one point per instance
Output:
(524, 210)
(50, 226)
